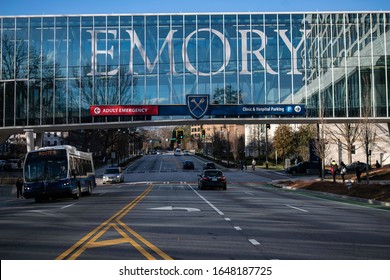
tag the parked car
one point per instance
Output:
(186, 153)
(5, 165)
(16, 164)
(209, 165)
(113, 175)
(212, 178)
(299, 168)
(352, 167)
(188, 164)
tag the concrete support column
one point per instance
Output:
(29, 133)
(38, 140)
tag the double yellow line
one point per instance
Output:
(91, 239)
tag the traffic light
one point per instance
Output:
(180, 134)
(203, 133)
(267, 126)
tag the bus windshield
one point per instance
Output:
(43, 167)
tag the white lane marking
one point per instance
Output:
(66, 206)
(296, 208)
(249, 193)
(161, 164)
(42, 212)
(208, 202)
(228, 219)
(137, 183)
(254, 242)
(237, 228)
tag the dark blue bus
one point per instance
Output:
(59, 171)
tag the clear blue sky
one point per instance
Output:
(55, 7)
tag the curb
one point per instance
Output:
(346, 197)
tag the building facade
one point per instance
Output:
(53, 68)
(54, 138)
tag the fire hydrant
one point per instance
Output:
(349, 184)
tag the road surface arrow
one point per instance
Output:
(171, 208)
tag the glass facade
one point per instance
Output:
(53, 68)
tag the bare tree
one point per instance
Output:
(346, 135)
(256, 136)
(237, 145)
(367, 127)
(322, 145)
(383, 133)
(109, 90)
(20, 61)
(217, 144)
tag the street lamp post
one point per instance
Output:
(267, 126)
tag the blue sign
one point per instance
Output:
(197, 109)
(197, 104)
(253, 110)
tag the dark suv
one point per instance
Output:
(188, 164)
(298, 168)
(212, 178)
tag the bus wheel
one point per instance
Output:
(78, 194)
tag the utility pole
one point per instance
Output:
(267, 126)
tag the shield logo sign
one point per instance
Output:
(198, 105)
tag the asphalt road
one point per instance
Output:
(159, 213)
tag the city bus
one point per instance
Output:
(58, 171)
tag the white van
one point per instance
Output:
(177, 152)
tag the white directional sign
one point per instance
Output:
(171, 208)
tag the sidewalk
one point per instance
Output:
(7, 185)
(7, 192)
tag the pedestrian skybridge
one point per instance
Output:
(98, 71)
